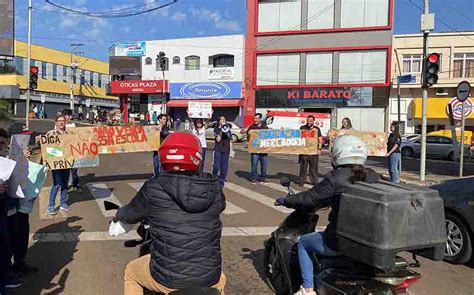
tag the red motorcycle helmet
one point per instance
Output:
(180, 151)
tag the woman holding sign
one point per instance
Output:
(222, 150)
(60, 177)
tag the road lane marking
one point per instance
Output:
(250, 194)
(278, 187)
(102, 193)
(74, 237)
(229, 209)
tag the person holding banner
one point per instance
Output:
(74, 176)
(222, 148)
(346, 123)
(393, 152)
(310, 161)
(200, 132)
(255, 158)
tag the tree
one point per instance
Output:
(5, 113)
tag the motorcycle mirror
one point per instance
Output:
(110, 206)
(285, 181)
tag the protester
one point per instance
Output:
(154, 117)
(35, 110)
(60, 177)
(147, 118)
(74, 176)
(187, 125)
(185, 227)
(310, 161)
(393, 152)
(164, 132)
(222, 149)
(80, 112)
(254, 157)
(200, 132)
(346, 123)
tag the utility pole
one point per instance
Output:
(28, 53)
(399, 102)
(427, 24)
(162, 63)
(74, 66)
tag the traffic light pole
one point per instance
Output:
(28, 57)
(424, 99)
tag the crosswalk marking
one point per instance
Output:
(102, 193)
(267, 201)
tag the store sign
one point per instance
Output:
(457, 108)
(139, 86)
(350, 96)
(220, 73)
(206, 90)
(128, 49)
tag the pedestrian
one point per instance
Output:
(41, 112)
(178, 124)
(74, 175)
(155, 118)
(187, 125)
(310, 161)
(222, 150)
(393, 152)
(261, 157)
(147, 118)
(170, 122)
(60, 177)
(200, 132)
(164, 132)
(346, 123)
(80, 111)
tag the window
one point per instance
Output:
(364, 13)
(55, 72)
(318, 68)
(463, 65)
(320, 14)
(99, 79)
(278, 69)
(148, 61)
(192, 63)
(432, 139)
(362, 66)
(412, 63)
(44, 70)
(166, 64)
(221, 60)
(176, 60)
(445, 140)
(279, 15)
(19, 64)
(66, 74)
(95, 79)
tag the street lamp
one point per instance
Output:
(162, 62)
(74, 66)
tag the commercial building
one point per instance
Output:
(325, 56)
(457, 64)
(54, 87)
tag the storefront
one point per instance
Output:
(365, 106)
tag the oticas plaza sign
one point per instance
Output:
(139, 86)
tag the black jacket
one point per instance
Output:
(185, 228)
(327, 194)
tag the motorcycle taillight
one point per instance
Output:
(401, 288)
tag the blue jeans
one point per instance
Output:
(201, 167)
(75, 177)
(221, 163)
(254, 159)
(156, 164)
(311, 243)
(60, 181)
(394, 167)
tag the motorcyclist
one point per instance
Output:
(183, 209)
(348, 155)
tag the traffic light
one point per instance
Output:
(33, 77)
(431, 69)
(161, 59)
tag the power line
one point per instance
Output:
(457, 11)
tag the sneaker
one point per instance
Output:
(13, 283)
(253, 181)
(302, 291)
(263, 181)
(64, 207)
(52, 211)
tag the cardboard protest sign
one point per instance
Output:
(67, 151)
(200, 110)
(376, 141)
(123, 139)
(281, 141)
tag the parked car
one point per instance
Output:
(468, 139)
(458, 196)
(410, 137)
(238, 134)
(436, 147)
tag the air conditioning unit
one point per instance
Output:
(441, 92)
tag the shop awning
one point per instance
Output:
(436, 108)
(183, 103)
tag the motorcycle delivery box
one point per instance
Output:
(376, 221)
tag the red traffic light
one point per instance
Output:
(34, 70)
(433, 57)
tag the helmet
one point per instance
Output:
(348, 150)
(180, 151)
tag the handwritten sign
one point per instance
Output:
(376, 141)
(123, 139)
(281, 141)
(70, 151)
(199, 109)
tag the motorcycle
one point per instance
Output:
(339, 275)
(145, 243)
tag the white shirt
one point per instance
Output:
(202, 136)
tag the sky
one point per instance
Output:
(185, 19)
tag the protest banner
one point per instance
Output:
(67, 151)
(123, 139)
(376, 141)
(283, 141)
(200, 110)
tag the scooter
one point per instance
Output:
(145, 242)
(339, 275)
